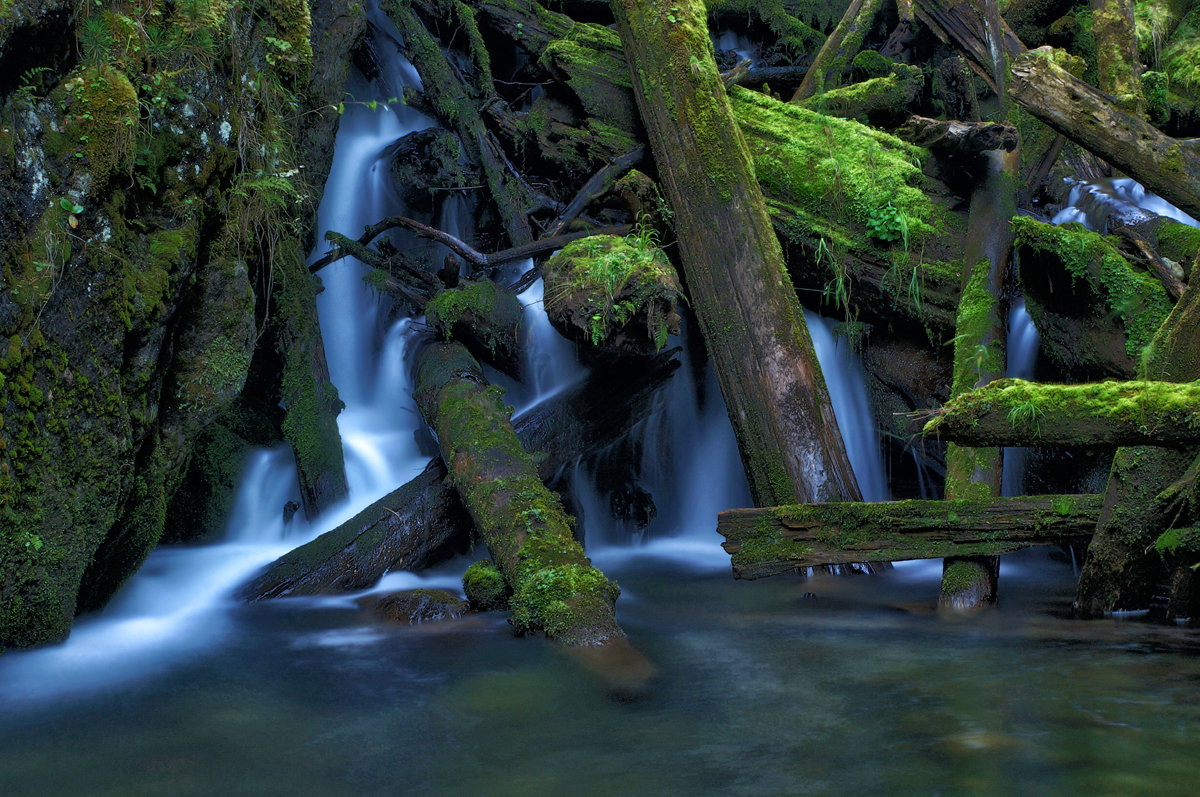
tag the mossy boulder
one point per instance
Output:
(616, 295)
(485, 587)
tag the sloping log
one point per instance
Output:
(1166, 166)
(408, 529)
(774, 540)
(1013, 412)
(881, 101)
(484, 317)
(752, 324)
(452, 102)
(1119, 573)
(977, 30)
(839, 48)
(526, 529)
(599, 184)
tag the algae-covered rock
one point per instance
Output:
(485, 587)
(617, 295)
(416, 606)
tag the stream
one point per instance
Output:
(785, 685)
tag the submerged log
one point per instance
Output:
(1013, 412)
(1166, 166)
(527, 531)
(747, 310)
(774, 540)
(408, 529)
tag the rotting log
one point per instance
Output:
(523, 524)
(1118, 66)
(1169, 167)
(484, 317)
(979, 33)
(881, 101)
(733, 265)
(408, 529)
(1014, 412)
(839, 48)
(1121, 568)
(773, 540)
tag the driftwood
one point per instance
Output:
(1166, 166)
(774, 540)
(1013, 412)
(752, 324)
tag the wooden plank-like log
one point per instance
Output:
(774, 540)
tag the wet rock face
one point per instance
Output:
(417, 606)
(132, 272)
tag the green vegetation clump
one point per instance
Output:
(485, 587)
(1181, 56)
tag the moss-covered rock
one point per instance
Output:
(416, 606)
(485, 587)
(615, 294)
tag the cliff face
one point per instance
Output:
(158, 165)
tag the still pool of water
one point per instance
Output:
(781, 686)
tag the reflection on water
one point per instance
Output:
(831, 685)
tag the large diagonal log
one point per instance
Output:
(979, 33)
(773, 540)
(1169, 167)
(747, 309)
(1013, 412)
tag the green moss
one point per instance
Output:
(485, 587)
(869, 64)
(1179, 243)
(1138, 299)
(959, 576)
(101, 121)
(1181, 57)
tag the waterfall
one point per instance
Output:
(1023, 344)
(851, 405)
(1094, 203)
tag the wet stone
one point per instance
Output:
(416, 606)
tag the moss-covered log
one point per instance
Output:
(1166, 166)
(1120, 572)
(617, 295)
(408, 529)
(1095, 313)
(833, 59)
(881, 101)
(774, 540)
(487, 319)
(527, 531)
(733, 265)
(1013, 412)
(958, 139)
(1118, 67)
(980, 357)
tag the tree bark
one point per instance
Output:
(1121, 567)
(983, 38)
(773, 540)
(835, 54)
(778, 403)
(1164, 165)
(959, 139)
(1013, 412)
(1117, 63)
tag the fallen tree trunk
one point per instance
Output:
(410, 528)
(1164, 165)
(773, 540)
(981, 35)
(752, 324)
(1013, 412)
(526, 530)
(961, 139)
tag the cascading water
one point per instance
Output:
(1093, 203)
(1023, 342)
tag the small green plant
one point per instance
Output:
(837, 290)
(1025, 414)
(888, 223)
